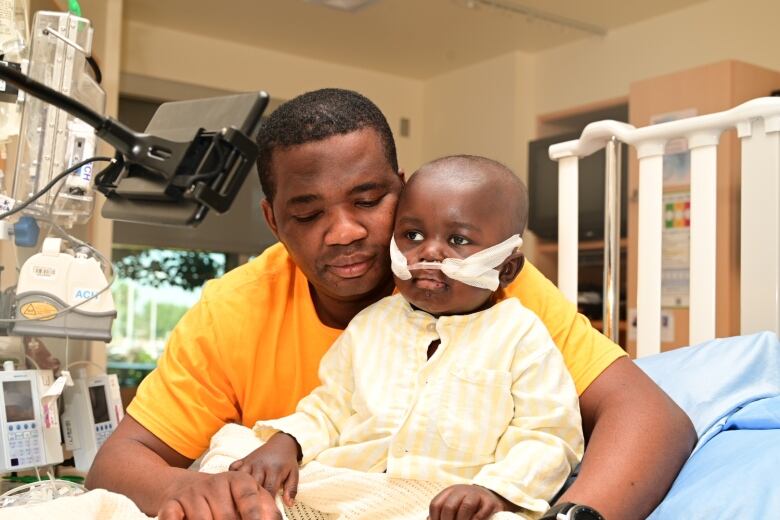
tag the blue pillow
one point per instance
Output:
(734, 475)
(712, 380)
(730, 388)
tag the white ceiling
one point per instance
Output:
(413, 38)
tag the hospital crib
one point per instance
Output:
(758, 126)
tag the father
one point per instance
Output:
(250, 348)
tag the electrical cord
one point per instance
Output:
(98, 181)
(93, 64)
(103, 260)
(51, 183)
(85, 362)
(40, 491)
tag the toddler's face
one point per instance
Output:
(437, 220)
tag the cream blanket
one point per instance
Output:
(328, 493)
(98, 504)
(324, 493)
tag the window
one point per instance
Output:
(152, 291)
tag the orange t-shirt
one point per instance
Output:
(251, 347)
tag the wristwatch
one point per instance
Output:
(569, 511)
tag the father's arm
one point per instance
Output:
(137, 464)
(638, 439)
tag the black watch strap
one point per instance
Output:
(570, 511)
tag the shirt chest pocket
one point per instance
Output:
(475, 409)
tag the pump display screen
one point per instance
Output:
(18, 401)
(97, 396)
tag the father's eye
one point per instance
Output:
(307, 218)
(367, 203)
(458, 240)
(414, 236)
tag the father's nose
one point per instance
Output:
(344, 229)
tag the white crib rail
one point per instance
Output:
(758, 125)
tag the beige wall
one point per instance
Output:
(506, 94)
(466, 111)
(524, 86)
(484, 109)
(489, 108)
(189, 58)
(601, 68)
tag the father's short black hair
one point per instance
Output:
(314, 116)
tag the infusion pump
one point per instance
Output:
(92, 411)
(30, 425)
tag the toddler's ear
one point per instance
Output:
(511, 267)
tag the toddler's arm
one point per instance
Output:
(320, 416)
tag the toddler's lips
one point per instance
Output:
(429, 285)
(429, 281)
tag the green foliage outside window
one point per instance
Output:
(188, 270)
(152, 291)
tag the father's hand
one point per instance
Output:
(233, 495)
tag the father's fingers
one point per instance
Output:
(449, 508)
(268, 509)
(434, 510)
(171, 510)
(196, 507)
(220, 498)
(485, 511)
(469, 505)
(248, 499)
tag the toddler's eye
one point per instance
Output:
(458, 240)
(414, 236)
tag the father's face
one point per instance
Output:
(333, 209)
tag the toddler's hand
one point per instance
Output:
(274, 465)
(465, 501)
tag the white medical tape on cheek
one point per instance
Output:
(398, 262)
(400, 266)
(477, 270)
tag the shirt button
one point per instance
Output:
(432, 327)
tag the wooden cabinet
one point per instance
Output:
(698, 91)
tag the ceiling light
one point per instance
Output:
(534, 14)
(343, 5)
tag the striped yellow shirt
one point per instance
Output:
(494, 406)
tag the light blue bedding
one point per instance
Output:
(731, 390)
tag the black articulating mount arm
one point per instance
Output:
(199, 170)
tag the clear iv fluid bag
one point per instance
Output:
(51, 140)
(13, 47)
